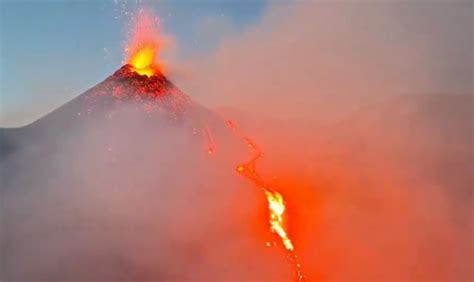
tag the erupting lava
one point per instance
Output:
(277, 208)
(145, 44)
(142, 61)
(276, 204)
(143, 51)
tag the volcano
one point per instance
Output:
(118, 185)
(155, 94)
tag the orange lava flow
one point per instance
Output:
(276, 204)
(145, 44)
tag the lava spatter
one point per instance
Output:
(144, 44)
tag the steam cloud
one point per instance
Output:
(364, 112)
(372, 104)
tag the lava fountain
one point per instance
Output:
(145, 43)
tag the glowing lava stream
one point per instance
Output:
(275, 201)
(276, 204)
(143, 50)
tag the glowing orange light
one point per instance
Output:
(277, 208)
(276, 204)
(145, 44)
(275, 201)
(240, 168)
(143, 60)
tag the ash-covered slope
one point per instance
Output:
(124, 91)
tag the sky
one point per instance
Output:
(64, 47)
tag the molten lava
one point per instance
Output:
(143, 60)
(277, 208)
(276, 204)
(145, 44)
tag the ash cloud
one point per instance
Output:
(365, 111)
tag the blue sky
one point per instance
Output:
(64, 47)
